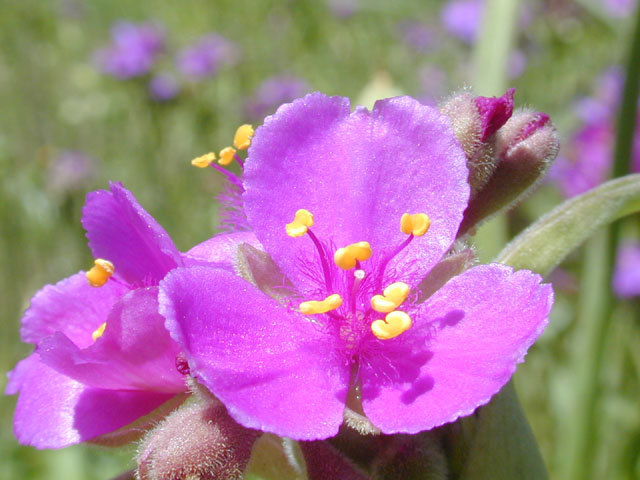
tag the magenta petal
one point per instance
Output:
(70, 306)
(494, 112)
(220, 250)
(272, 368)
(478, 327)
(134, 353)
(54, 411)
(121, 231)
(357, 173)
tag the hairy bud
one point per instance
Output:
(475, 120)
(526, 146)
(198, 441)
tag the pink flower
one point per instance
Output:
(346, 314)
(102, 355)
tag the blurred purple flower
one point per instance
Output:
(619, 8)
(463, 18)
(343, 8)
(273, 92)
(417, 35)
(600, 107)
(207, 56)
(592, 110)
(587, 158)
(133, 50)
(433, 85)
(517, 63)
(164, 87)
(70, 170)
(626, 276)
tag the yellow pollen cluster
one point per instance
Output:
(204, 161)
(226, 155)
(346, 257)
(242, 138)
(97, 333)
(392, 297)
(301, 223)
(416, 224)
(394, 324)
(100, 272)
(330, 303)
(241, 141)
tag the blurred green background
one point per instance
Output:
(54, 99)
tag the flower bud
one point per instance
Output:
(197, 441)
(410, 456)
(325, 461)
(475, 120)
(525, 146)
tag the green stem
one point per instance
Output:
(593, 312)
(493, 49)
(597, 299)
(491, 59)
(628, 107)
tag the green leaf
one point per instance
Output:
(503, 446)
(274, 458)
(257, 267)
(547, 242)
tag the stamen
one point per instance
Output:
(98, 332)
(242, 138)
(301, 223)
(323, 259)
(347, 258)
(232, 177)
(416, 224)
(226, 155)
(394, 324)
(100, 272)
(204, 161)
(392, 297)
(330, 303)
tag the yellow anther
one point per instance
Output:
(418, 224)
(242, 138)
(100, 272)
(301, 223)
(392, 297)
(226, 155)
(346, 257)
(330, 303)
(394, 324)
(97, 333)
(204, 161)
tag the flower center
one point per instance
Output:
(348, 258)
